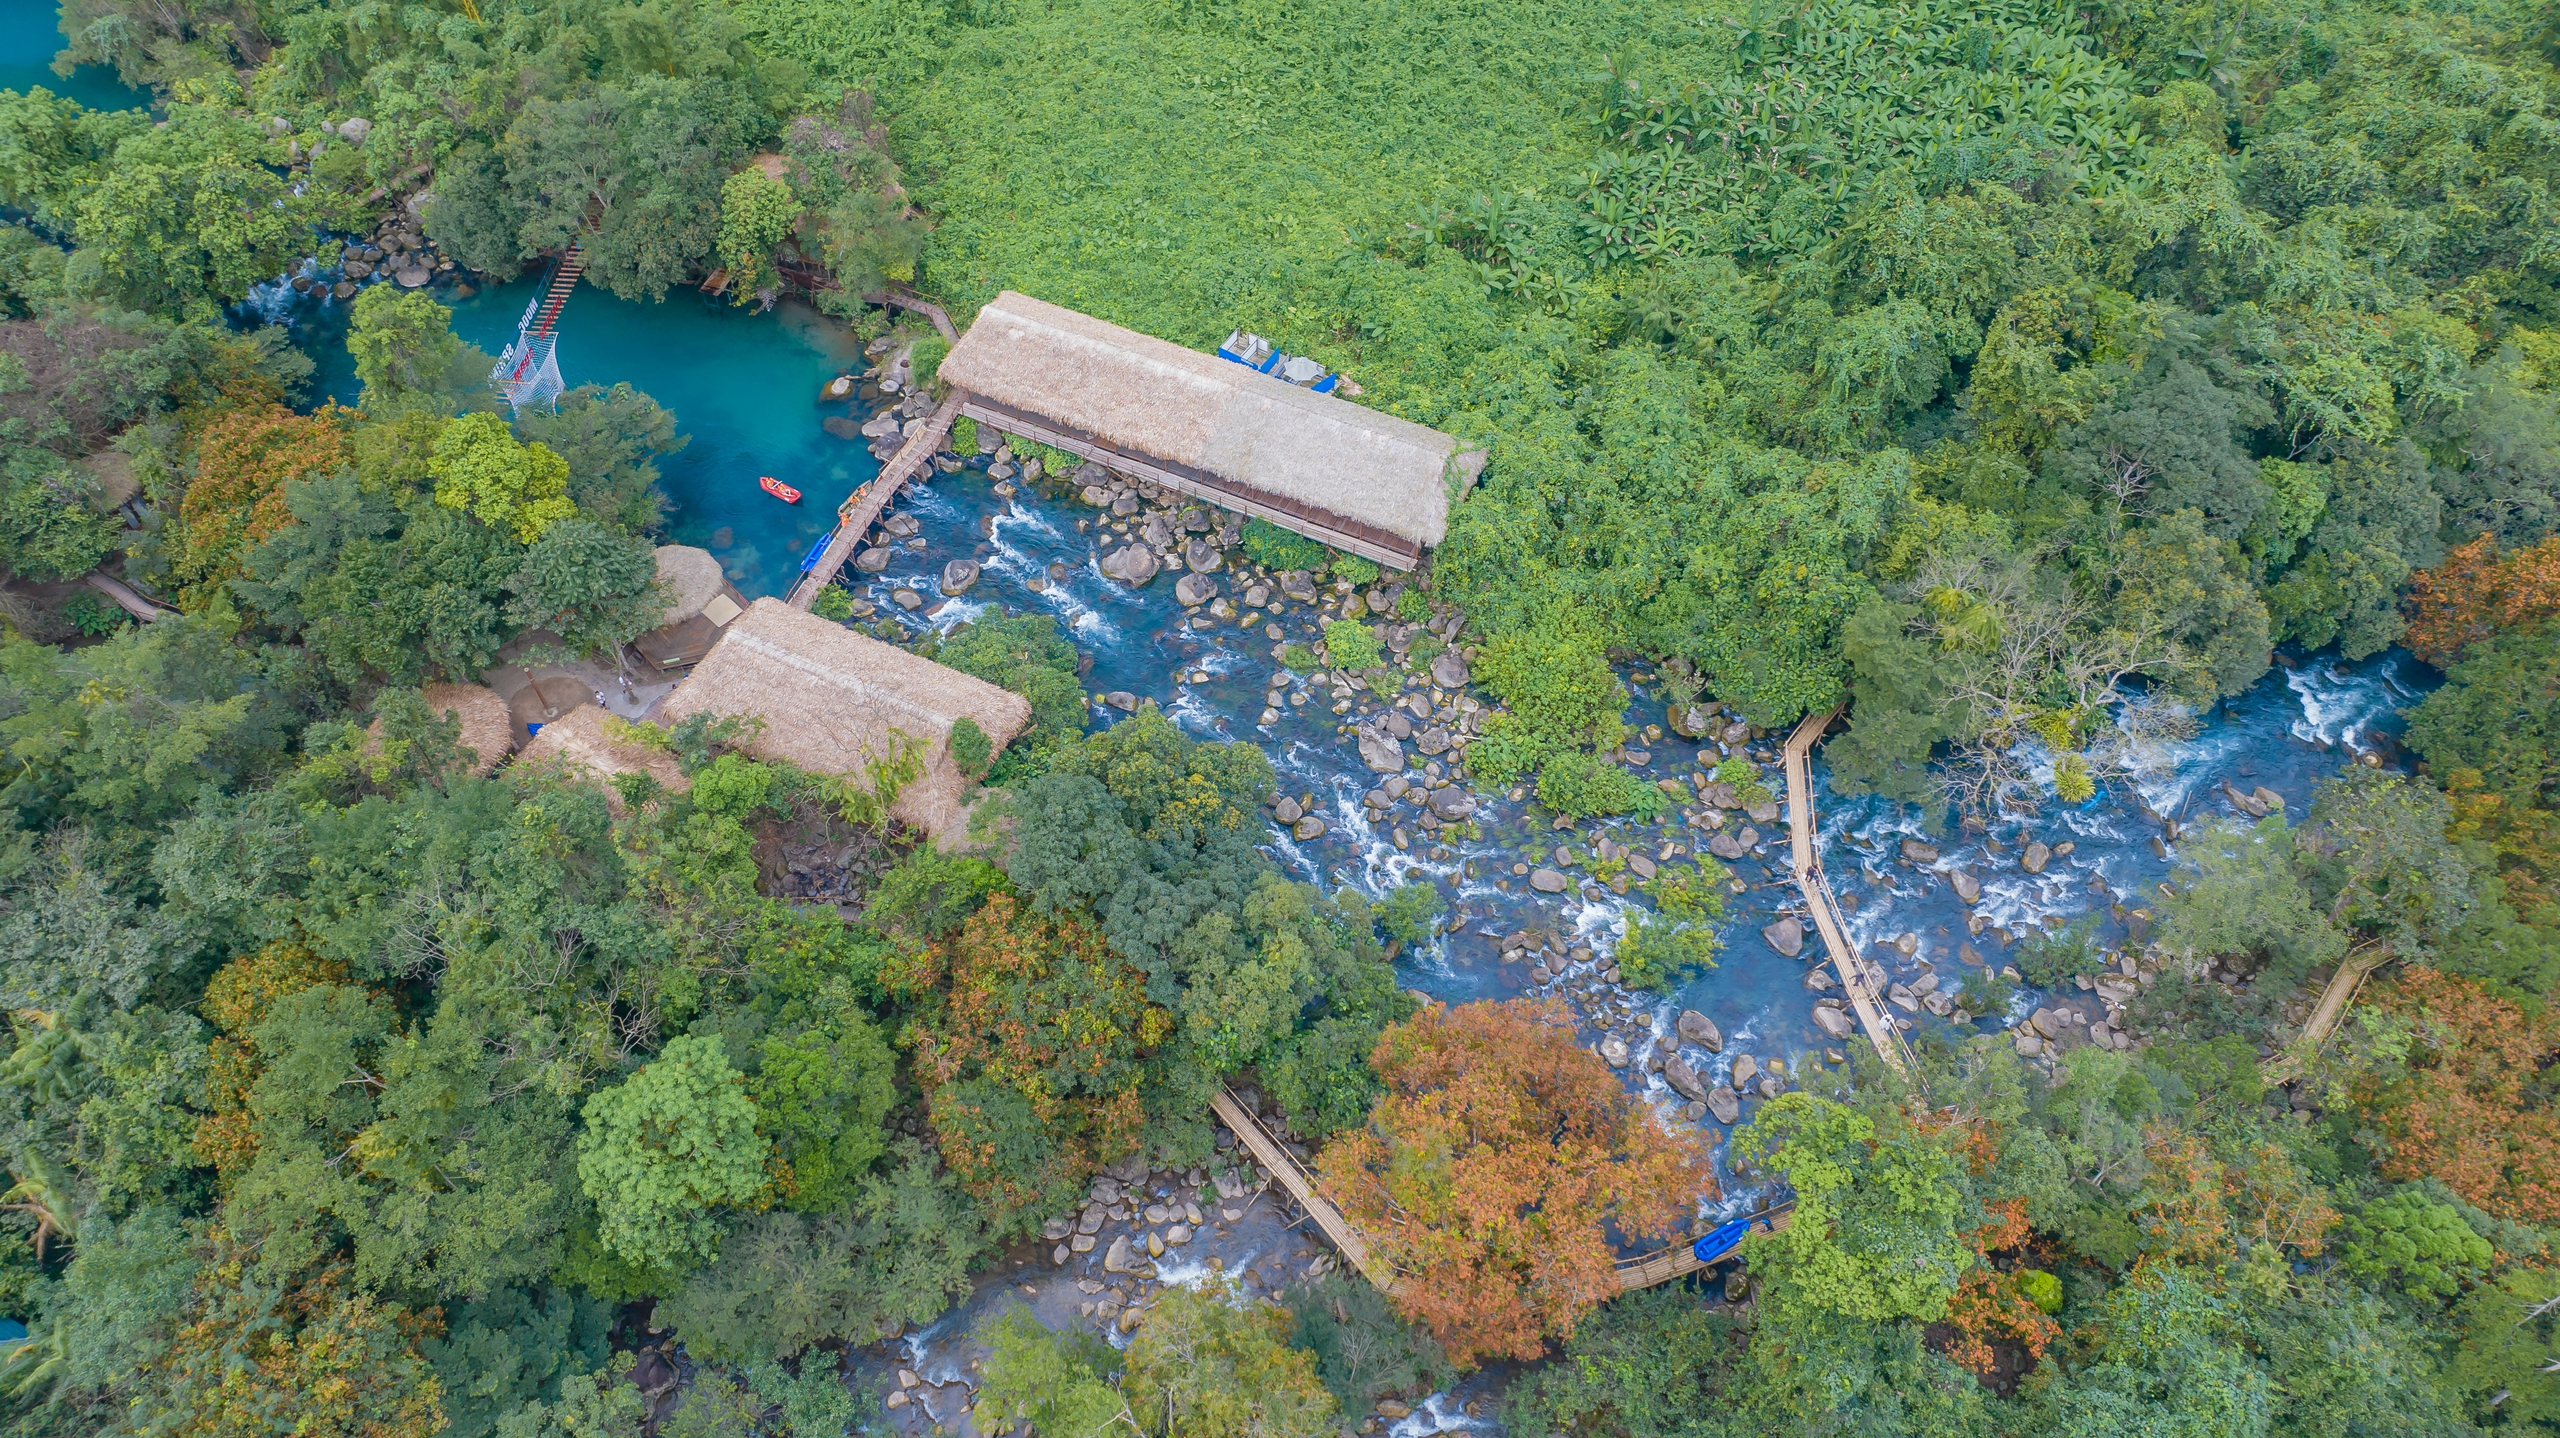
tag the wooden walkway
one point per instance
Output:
(2288, 1062)
(1663, 1265)
(1284, 1166)
(861, 509)
(1806, 858)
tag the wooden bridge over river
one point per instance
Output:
(1644, 1271)
(1680, 1259)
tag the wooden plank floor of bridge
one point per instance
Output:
(1807, 861)
(1285, 1167)
(862, 508)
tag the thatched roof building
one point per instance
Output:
(1359, 480)
(701, 602)
(829, 696)
(486, 730)
(577, 742)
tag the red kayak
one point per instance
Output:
(778, 489)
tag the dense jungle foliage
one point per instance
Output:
(2017, 374)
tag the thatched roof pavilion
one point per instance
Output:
(700, 602)
(829, 696)
(577, 742)
(487, 731)
(1359, 480)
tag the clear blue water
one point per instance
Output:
(744, 389)
(29, 38)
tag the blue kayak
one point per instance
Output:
(1724, 1240)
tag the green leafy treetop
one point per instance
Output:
(482, 469)
(665, 1147)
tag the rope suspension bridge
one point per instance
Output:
(528, 373)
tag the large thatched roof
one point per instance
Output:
(1196, 412)
(577, 742)
(828, 696)
(487, 731)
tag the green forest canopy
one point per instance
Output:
(2020, 373)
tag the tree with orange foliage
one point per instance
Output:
(2476, 593)
(1032, 1050)
(243, 459)
(1490, 1173)
(311, 1358)
(2469, 1110)
(236, 1000)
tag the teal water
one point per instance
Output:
(29, 37)
(743, 387)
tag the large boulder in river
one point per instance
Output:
(960, 576)
(2035, 857)
(1684, 1080)
(1918, 852)
(1193, 589)
(1726, 847)
(1786, 936)
(1451, 804)
(873, 560)
(1380, 751)
(1690, 721)
(1968, 888)
(1132, 566)
(1200, 556)
(1833, 1022)
(1449, 671)
(1745, 1068)
(1722, 1103)
(1546, 881)
(1698, 1029)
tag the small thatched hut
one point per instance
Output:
(1359, 480)
(829, 697)
(486, 730)
(701, 602)
(576, 741)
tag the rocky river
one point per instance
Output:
(1169, 611)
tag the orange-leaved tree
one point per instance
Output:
(1490, 1174)
(1034, 1038)
(2476, 592)
(2473, 1109)
(243, 459)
